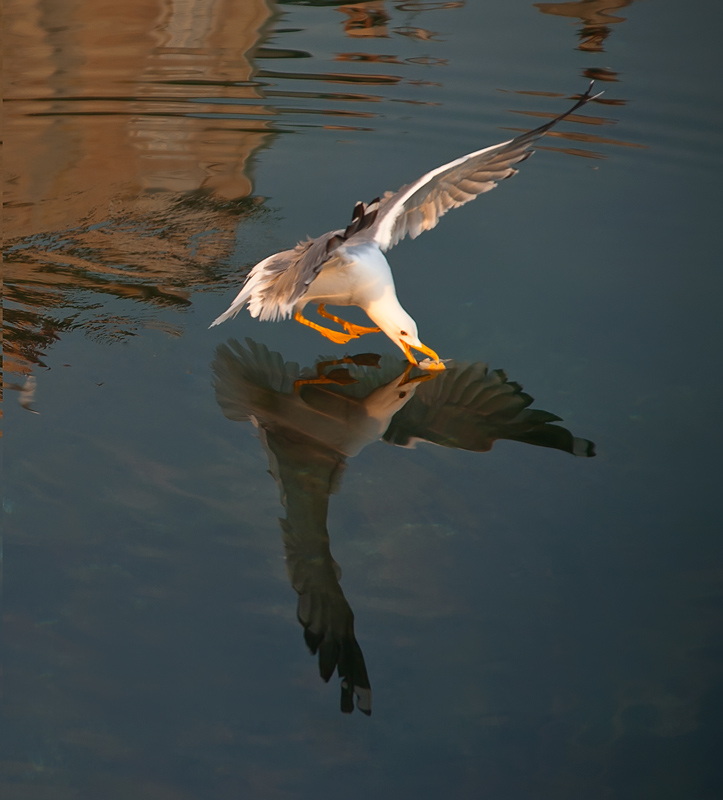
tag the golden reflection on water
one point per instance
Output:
(311, 420)
(115, 182)
(596, 17)
(365, 19)
(123, 61)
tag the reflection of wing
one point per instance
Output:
(306, 447)
(469, 407)
(417, 207)
(247, 380)
(307, 474)
(311, 421)
(255, 384)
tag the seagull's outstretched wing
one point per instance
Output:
(417, 207)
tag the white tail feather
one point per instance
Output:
(258, 279)
(233, 309)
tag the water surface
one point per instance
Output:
(530, 621)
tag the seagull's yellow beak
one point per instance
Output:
(422, 348)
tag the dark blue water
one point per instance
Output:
(184, 524)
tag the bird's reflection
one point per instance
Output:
(311, 420)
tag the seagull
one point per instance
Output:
(347, 267)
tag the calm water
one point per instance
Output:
(184, 523)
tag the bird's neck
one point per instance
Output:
(388, 314)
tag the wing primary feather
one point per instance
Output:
(418, 206)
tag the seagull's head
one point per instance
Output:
(402, 330)
(397, 324)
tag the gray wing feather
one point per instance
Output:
(275, 284)
(417, 207)
(289, 278)
(291, 275)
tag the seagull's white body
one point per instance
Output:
(348, 267)
(364, 279)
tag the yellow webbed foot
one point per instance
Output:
(359, 330)
(336, 336)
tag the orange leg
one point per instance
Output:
(349, 327)
(336, 336)
(324, 379)
(339, 377)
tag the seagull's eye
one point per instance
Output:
(402, 395)
(403, 333)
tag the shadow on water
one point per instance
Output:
(311, 420)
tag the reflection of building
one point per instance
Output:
(366, 19)
(595, 16)
(139, 70)
(114, 115)
(203, 54)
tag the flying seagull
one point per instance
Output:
(348, 267)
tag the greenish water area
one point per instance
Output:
(247, 562)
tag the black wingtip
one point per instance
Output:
(588, 96)
(363, 217)
(584, 98)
